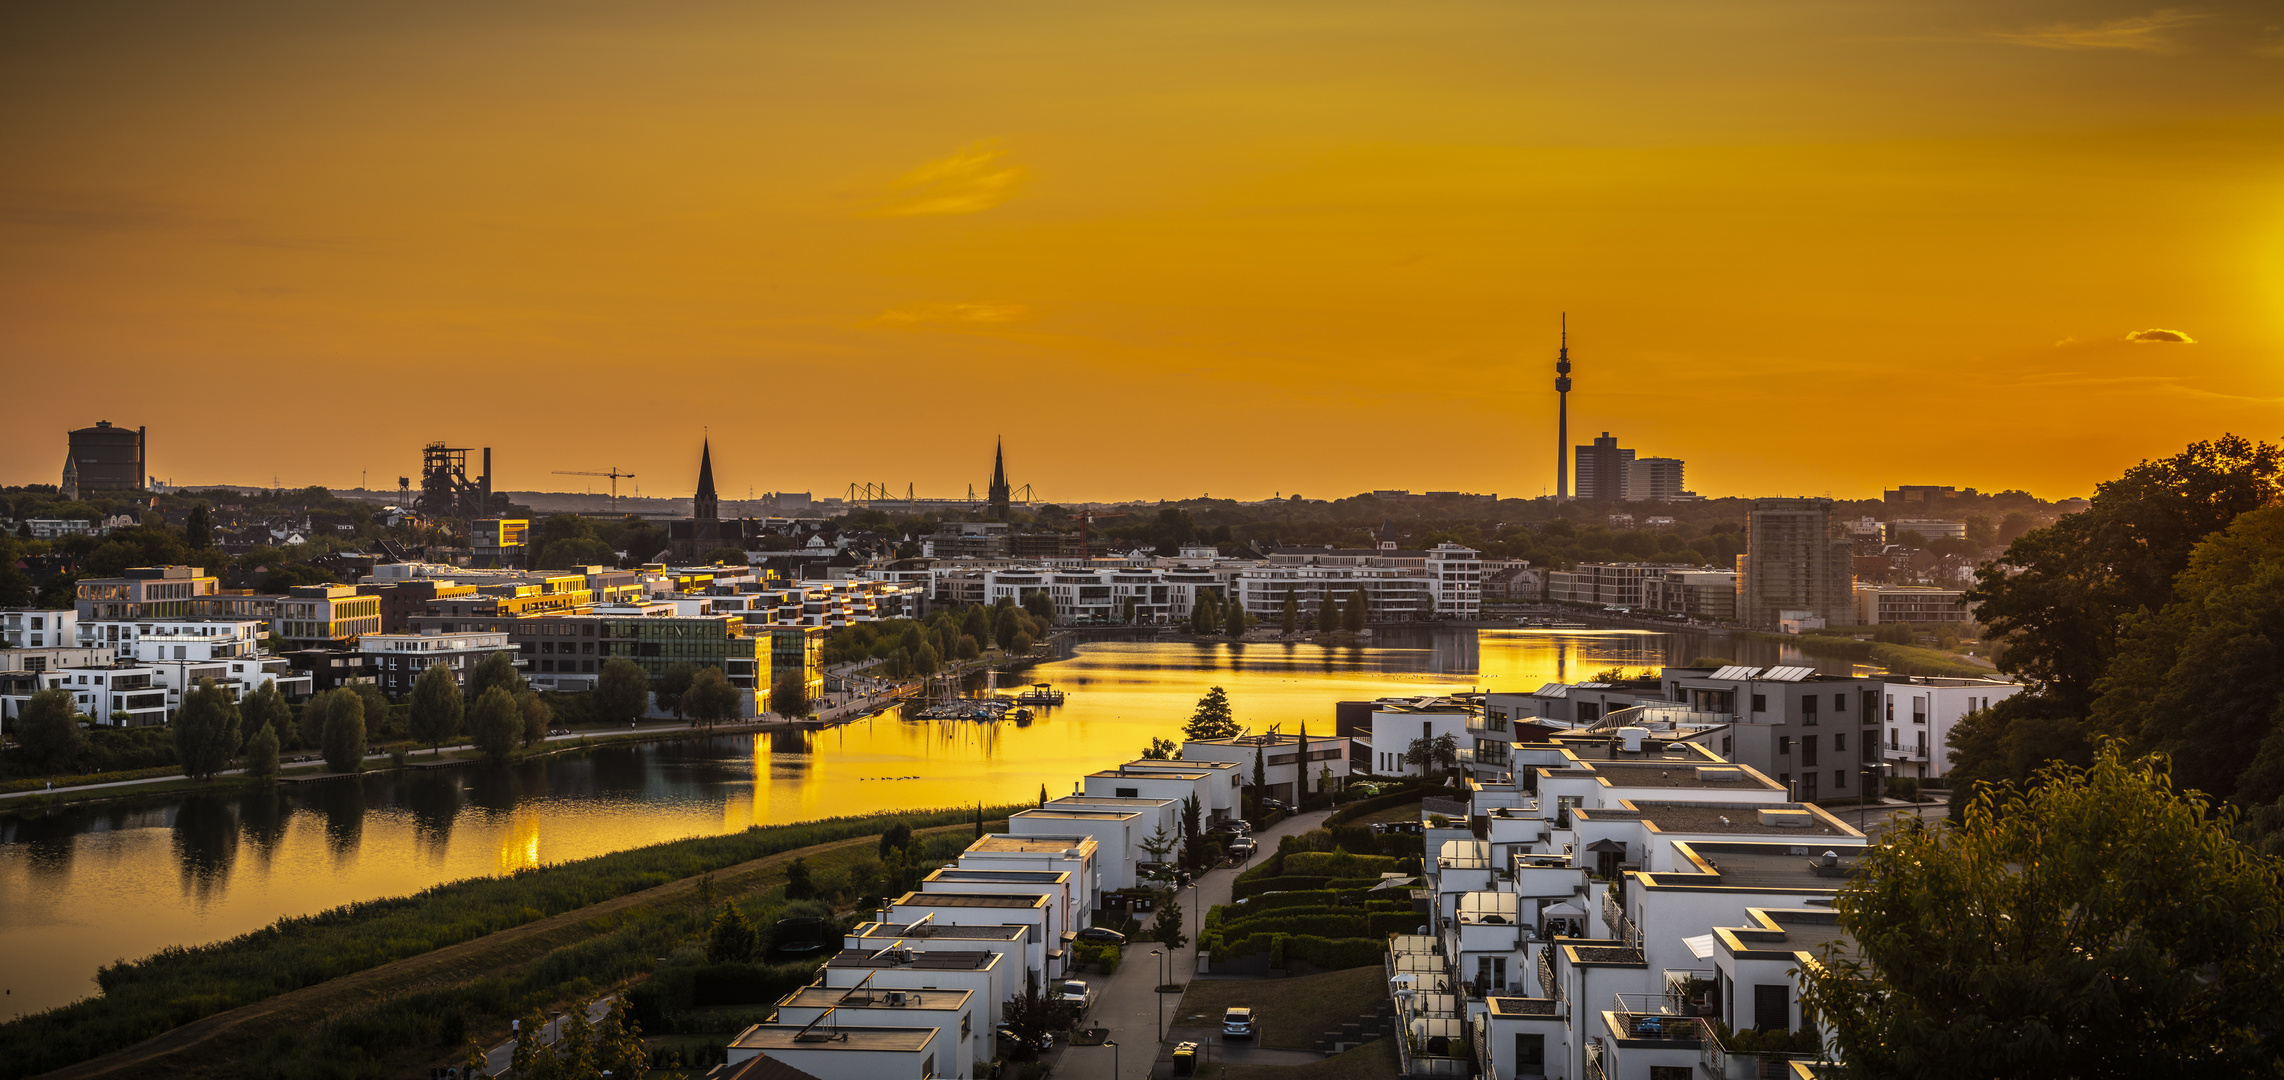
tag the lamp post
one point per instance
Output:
(1113, 1045)
(1160, 992)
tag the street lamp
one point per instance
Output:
(1113, 1045)
(1160, 993)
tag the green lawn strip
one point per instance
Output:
(1292, 1013)
(1407, 812)
(1375, 1060)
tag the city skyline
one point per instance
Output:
(1795, 219)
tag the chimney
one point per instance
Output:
(484, 482)
(142, 458)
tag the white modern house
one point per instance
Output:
(1918, 713)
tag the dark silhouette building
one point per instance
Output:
(704, 530)
(1000, 491)
(1603, 469)
(1562, 416)
(105, 458)
(706, 505)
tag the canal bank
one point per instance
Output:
(127, 877)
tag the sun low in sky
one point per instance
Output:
(1237, 248)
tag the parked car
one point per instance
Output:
(1075, 992)
(1237, 1023)
(1242, 848)
(1272, 804)
(1101, 935)
(1046, 1039)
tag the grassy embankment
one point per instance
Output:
(1900, 659)
(1291, 1012)
(382, 987)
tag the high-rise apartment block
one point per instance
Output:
(1793, 563)
(1603, 469)
(1657, 478)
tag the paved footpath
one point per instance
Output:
(1127, 1003)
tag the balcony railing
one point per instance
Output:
(1635, 1022)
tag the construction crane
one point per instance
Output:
(615, 476)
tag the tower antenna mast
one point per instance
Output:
(1562, 417)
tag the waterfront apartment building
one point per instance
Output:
(1626, 585)
(1603, 470)
(1816, 734)
(1793, 563)
(144, 592)
(398, 660)
(37, 628)
(1878, 605)
(1399, 585)
(1918, 713)
(1927, 528)
(1703, 595)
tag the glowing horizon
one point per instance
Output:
(1242, 250)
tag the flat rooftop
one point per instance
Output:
(1166, 774)
(1003, 843)
(1015, 901)
(1074, 813)
(1779, 933)
(1023, 877)
(933, 931)
(1740, 819)
(932, 960)
(828, 1036)
(1760, 866)
(816, 997)
(1518, 1006)
(1107, 800)
(1679, 774)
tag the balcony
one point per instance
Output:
(1725, 1063)
(1640, 1017)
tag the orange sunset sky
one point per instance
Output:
(1238, 248)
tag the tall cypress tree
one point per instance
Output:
(1292, 614)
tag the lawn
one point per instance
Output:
(1375, 1060)
(1292, 1012)
(1403, 812)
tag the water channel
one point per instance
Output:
(83, 886)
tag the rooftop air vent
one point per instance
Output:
(1786, 819)
(1718, 774)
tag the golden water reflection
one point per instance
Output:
(82, 886)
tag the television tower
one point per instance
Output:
(1562, 416)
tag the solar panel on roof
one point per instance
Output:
(1553, 689)
(1736, 671)
(1789, 674)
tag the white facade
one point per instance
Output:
(399, 659)
(956, 1015)
(1223, 789)
(853, 1053)
(978, 972)
(1076, 855)
(1394, 729)
(1455, 579)
(102, 693)
(1118, 835)
(1281, 762)
(37, 628)
(1918, 714)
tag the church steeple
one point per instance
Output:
(1000, 492)
(706, 506)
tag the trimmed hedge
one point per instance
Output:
(1324, 952)
(1337, 864)
(1324, 923)
(1243, 889)
(1373, 805)
(1384, 923)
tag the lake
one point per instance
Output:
(83, 886)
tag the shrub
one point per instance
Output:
(1333, 954)
(1338, 864)
(1108, 959)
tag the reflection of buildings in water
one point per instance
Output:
(1455, 654)
(205, 845)
(519, 850)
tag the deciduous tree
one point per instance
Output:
(265, 707)
(537, 716)
(711, 699)
(494, 724)
(2102, 924)
(205, 730)
(790, 697)
(622, 692)
(498, 670)
(344, 732)
(48, 730)
(672, 684)
(1292, 614)
(262, 753)
(436, 709)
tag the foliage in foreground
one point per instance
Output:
(2101, 924)
(175, 986)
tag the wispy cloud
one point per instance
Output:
(977, 177)
(2152, 33)
(955, 315)
(2154, 335)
